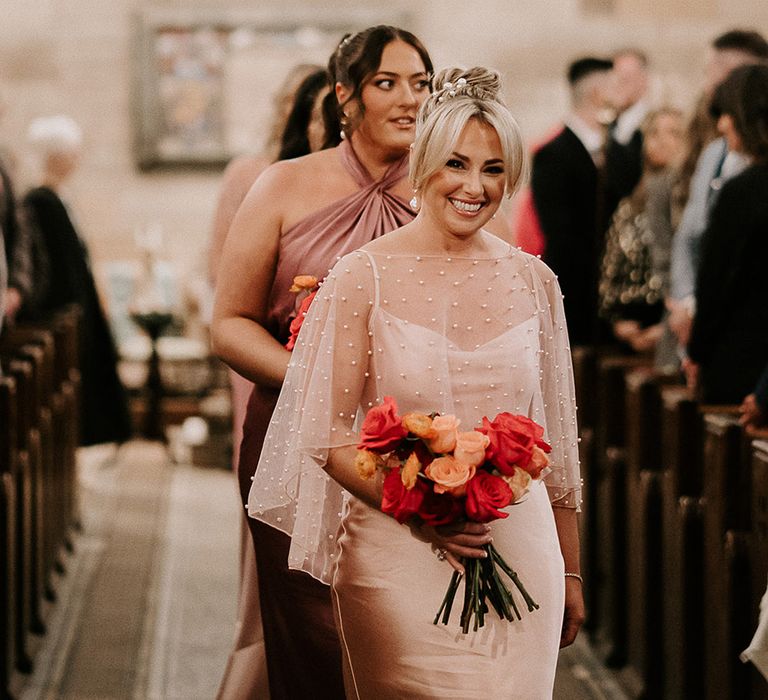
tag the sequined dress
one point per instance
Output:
(468, 336)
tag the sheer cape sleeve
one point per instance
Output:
(557, 411)
(317, 411)
(407, 326)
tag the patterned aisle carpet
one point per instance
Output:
(146, 609)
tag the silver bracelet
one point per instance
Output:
(576, 576)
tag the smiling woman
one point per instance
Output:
(446, 318)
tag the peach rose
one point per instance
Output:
(519, 482)
(539, 462)
(302, 282)
(366, 463)
(410, 471)
(446, 428)
(419, 424)
(470, 448)
(450, 475)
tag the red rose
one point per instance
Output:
(440, 508)
(486, 493)
(399, 502)
(297, 322)
(382, 428)
(512, 439)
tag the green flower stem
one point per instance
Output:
(482, 584)
(532, 605)
(448, 599)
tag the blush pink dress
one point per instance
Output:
(300, 639)
(469, 336)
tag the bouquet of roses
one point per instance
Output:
(438, 475)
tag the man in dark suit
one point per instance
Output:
(624, 148)
(572, 204)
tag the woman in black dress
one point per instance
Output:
(63, 276)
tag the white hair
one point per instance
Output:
(56, 134)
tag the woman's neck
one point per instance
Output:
(428, 237)
(375, 160)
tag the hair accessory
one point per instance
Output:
(449, 89)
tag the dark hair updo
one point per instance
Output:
(356, 59)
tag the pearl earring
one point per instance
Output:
(414, 202)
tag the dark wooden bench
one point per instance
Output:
(682, 572)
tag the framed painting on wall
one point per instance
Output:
(205, 81)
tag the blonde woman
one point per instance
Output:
(443, 316)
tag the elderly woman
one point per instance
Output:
(63, 276)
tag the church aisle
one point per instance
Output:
(147, 607)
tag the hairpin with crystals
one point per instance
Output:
(449, 89)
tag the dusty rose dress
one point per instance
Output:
(301, 643)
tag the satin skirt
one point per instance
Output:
(388, 586)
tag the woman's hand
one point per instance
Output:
(456, 541)
(573, 616)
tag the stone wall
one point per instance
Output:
(74, 57)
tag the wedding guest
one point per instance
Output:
(21, 288)
(297, 219)
(301, 133)
(573, 206)
(3, 279)
(728, 348)
(754, 407)
(629, 97)
(635, 265)
(66, 278)
(715, 165)
(442, 316)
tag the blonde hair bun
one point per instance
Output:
(460, 95)
(476, 83)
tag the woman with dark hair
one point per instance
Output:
(299, 125)
(297, 219)
(304, 130)
(728, 348)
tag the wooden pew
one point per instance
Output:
(682, 573)
(609, 578)
(726, 579)
(37, 345)
(758, 551)
(8, 515)
(643, 673)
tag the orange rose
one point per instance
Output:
(302, 282)
(410, 471)
(519, 482)
(366, 463)
(539, 462)
(470, 448)
(446, 428)
(419, 424)
(450, 475)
